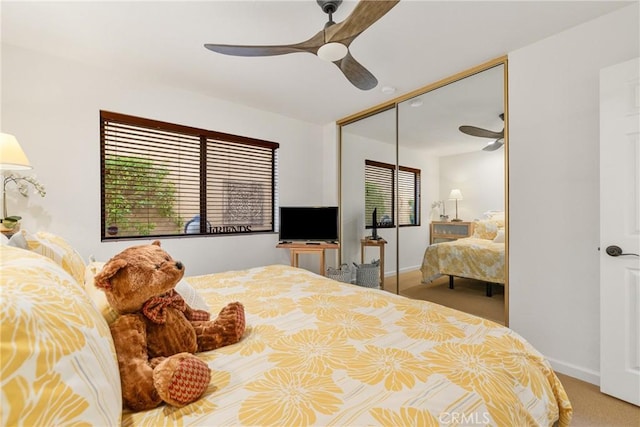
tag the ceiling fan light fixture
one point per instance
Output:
(494, 145)
(332, 51)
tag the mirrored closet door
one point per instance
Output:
(444, 147)
(367, 173)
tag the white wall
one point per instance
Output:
(52, 106)
(554, 181)
(479, 176)
(415, 239)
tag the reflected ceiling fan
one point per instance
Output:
(331, 43)
(484, 133)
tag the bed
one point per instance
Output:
(316, 352)
(479, 257)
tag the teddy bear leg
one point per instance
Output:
(226, 329)
(181, 379)
(136, 373)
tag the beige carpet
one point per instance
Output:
(594, 409)
(468, 295)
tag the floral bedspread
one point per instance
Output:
(473, 258)
(321, 352)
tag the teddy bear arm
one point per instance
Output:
(136, 374)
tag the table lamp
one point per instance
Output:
(456, 195)
(12, 156)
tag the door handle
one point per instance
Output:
(614, 251)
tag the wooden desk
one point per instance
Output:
(296, 249)
(380, 244)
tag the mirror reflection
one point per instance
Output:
(446, 221)
(368, 159)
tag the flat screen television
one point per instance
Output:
(374, 224)
(309, 223)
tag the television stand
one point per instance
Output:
(317, 248)
(379, 242)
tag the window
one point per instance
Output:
(161, 179)
(408, 196)
(380, 194)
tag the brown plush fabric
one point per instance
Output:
(225, 330)
(155, 350)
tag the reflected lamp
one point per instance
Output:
(456, 195)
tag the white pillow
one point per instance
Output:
(191, 296)
(18, 241)
(495, 215)
(499, 236)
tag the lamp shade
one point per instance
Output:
(11, 155)
(455, 194)
(332, 51)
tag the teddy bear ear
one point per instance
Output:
(108, 271)
(156, 242)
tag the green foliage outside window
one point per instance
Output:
(136, 191)
(374, 198)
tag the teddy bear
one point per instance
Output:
(156, 333)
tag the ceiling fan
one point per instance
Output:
(484, 133)
(331, 43)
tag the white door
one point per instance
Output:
(620, 231)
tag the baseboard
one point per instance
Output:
(407, 269)
(402, 270)
(574, 371)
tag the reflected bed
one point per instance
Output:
(480, 257)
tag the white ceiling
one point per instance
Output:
(416, 43)
(432, 124)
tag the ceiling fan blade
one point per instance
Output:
(494, 145)
(355, 72)
(311, 46)
(363, 16)
(482, 133)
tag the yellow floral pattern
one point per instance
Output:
(395, 368)
(471, 257)
(486, 228)
(309, 351)
(315, 352)
(330, 353)
(50, 334)
(289, 398)
(406, 416)
(429, 325)
(386, 360)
